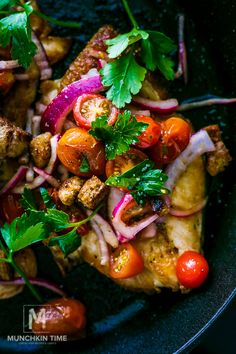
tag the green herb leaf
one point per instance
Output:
(47, 199)
(125, 77)
(68, 243)
(27, 200)
(84, 167)
(154, 53)
(15, 29)
(23, 231)
(142, 180)
(117, 45)
(120, 136)
(57, 219)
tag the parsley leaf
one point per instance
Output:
(46, 198)
(142, 180)
(58, 219)
(68, 243)
(120, 136)
(125, 77)
(27, 201)
(117, 45)
(84, 167)
(15, 29)
(23, 231)
(154, 53)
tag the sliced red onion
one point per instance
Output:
(138, 112)
(30, 174)
(107, 230)
(9, 64)
(129, 232)
(55, 114)
(102, 243)
(42, 60)
(50, 179)
(101, 63)
(208, 102)
(92, 72)
(40, 107)
(28, 127)
(20, 174)
(185, 213)
(36, 281)
(21, 77)
(36, 125)
(121, 238)
(182, 67)
(149, 231)
(199, 144)
(39, 180)
(161, 106)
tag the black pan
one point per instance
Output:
(121, 321)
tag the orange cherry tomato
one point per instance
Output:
(90, 106)
(76, 145)
(10, 207)
(125, 262)
(191, 269)
(175, 136)
(61, 317)
(151, 134)
(124, 162)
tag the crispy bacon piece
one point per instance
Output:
(86, 60)
(220, 158)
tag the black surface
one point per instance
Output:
(166, 322)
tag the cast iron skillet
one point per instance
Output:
(121, 321)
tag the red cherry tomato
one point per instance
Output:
(124, 162)
(90, 106)
(10, 207)
(150, 135)
(191, 269)
(125, 262)
(77, 144)
(175, 136)
(61, 317)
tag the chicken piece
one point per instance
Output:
(27, 262)
(40, 149)
(49, 90)
(56, 48)
(69, 190)
(38, 24)
(173, 237)
(17, 102)
(13, 140)
(92, 192)
(220, 158)
(6, 81)
(86, 59)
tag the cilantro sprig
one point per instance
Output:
(124, 75)
(143, 181)
(120, 136)
(15, 29)
(36, 225)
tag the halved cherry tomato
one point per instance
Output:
(125, 262)
(175, 136)
(10, 207)
(61, 317)
(124, 162)
(191, 269)
(90, 106)
(151, 134)
(77, 144)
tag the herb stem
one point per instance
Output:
(70, 24)
(129, 13)
(23, 275)
(79, 223)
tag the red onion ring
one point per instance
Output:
(161, 106)
(42, 60)
(199, 144)
(150, 231)
(205, 103)
(182, 67)
(106, 229)
(55, 114)
(185, 213)
(20, 174)
(36, 281)
(9, 64)
(102, 243)
(50, 179)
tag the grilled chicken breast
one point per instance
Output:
(173, 237)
